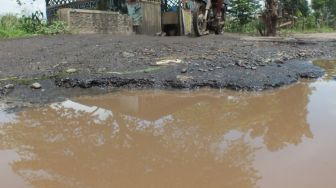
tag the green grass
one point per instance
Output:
(10, 27)
(310, 30)
(13, 27)
(12, 33)
(251, 27)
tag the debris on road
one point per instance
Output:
(36, 85)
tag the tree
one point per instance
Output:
(296, 8)
(271, 16)
(293, 8)
(244, 11)
(332, 9)
(325, 11)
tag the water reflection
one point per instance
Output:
(155, 139)
(329, 66)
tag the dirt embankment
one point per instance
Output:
(85, 61)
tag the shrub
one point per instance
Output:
(57, 27)
(13, 26)
(10, 27)
(9, 22)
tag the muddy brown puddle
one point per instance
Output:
(282, 138)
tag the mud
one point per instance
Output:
(105, 62)
(214, 138)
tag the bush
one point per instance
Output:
(57, 27)
(307, 25)
(29, 25)
(9, 22)
(251, 27)
(12, 26)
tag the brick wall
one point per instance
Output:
(95, 21)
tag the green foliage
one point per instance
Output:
(31, 23)
(243, 12)
(260, 27)
(308, 30)
(318, 4)
(307, 25)
(13, 33)
(234, 27)
(57, 27)
(296, 7)
(245, 16)
(304, 8)
(8, 22)
(325, 12)
(12, 26)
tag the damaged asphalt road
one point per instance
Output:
(104, 62)
(171, 77)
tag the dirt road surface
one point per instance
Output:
(64, 64)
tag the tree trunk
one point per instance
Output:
(271, 17)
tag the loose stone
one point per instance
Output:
(127, 54)
(184, 70)
(71, 71)
(36, 85)
(9, 86)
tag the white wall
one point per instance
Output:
(27, 7)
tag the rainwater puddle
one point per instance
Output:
(283, 138)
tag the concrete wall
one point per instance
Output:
(95, 21)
